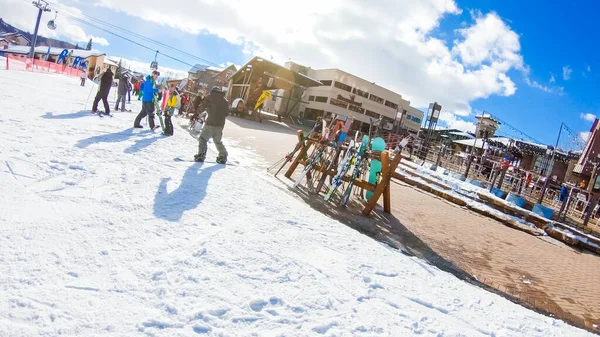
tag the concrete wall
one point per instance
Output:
(357, 85)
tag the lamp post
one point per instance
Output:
(543, 191)
(42, 6)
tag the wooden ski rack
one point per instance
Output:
(382, 188)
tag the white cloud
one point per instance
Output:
(388, 42)
(584, 136)
(23, 15)
(97, 40)
(588, 117)
(567, 72)
(589, 69)
(552, 79)
(451, 121)
(144, 68)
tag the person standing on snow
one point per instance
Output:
(217, 108)
(148, 92)
(106, 82)
(129, 88)
(122, 92)
(170, 110)
(83, 76)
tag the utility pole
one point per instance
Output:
(543, 191)
(42, 6)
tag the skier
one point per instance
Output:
(170, 110)
(82, 78)
(105, 83)
(122, 92)
(141, 90)
(148, 91)
(217, 108)
(129, 89)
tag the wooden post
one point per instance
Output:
(296, 149)
(303, 151)
(385, 183)
(385, 172)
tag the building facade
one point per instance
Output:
(346, 95)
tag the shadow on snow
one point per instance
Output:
(78, 114)
(121, 136)
(188, 195)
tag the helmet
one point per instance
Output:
(215, 89)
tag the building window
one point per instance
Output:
(391, 105)
(321, 99)
(376, 99)
(311, 98)
(357, 109)
(342, 86)
(372, 114)
(326, 83)
(360, 93)
(339, 103)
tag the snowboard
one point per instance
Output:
(375, 172)
(101, 114)
(158, 113)
(183, 160)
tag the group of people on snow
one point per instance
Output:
(212, 109)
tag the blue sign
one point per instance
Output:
(83, 65)
(62, 56)
(76, 61)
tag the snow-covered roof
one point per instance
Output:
(478, 143)
(197, 68)
(111, 62)
(461, 133)
(53, 51)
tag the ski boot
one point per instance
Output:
(199, 158)
(221, 160)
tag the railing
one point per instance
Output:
(515, 183)
(35, 65)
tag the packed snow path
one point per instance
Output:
(103, 234)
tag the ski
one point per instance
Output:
(343, 168)
(183, 160)
(358, 161)
(315, 157)
(339, 135)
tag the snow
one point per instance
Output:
(106, 235)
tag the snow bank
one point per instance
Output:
(105, 235)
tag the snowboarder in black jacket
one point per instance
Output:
(217, 108)
(106, 82)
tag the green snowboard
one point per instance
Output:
(375, 172)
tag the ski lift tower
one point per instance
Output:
(42, 6)
(433, 114)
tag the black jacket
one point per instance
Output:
(106, 82)
(217, 108)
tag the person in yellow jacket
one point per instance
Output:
(170, 110)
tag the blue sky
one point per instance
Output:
(421, 59)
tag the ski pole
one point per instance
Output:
(90, 94)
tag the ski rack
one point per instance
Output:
(388, 167)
